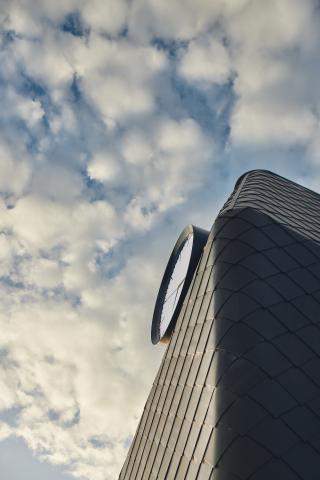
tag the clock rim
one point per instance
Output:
(199, 240)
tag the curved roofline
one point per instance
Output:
(255, 170)
(269, 172)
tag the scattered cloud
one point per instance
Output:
(120, 123)
(206, 62)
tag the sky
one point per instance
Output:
(122, 121)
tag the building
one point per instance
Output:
(237, 395)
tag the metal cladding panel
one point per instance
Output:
(237, 395)
(285, 201)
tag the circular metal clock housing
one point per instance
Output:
(176, 281)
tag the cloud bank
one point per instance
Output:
(120, 123)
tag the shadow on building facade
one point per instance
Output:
(237, 395)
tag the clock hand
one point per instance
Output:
(174, 291)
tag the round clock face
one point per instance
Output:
(175, 285)
(176, 281)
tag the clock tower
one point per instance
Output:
(237, 395)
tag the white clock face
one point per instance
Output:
(175, 285)
(176, 281)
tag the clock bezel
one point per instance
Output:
(199, 240)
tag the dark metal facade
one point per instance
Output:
(237, 395)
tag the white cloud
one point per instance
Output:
(117, 77)
(56, 182)
(103, 167)
(181, 153)
(5, 431)
(105, 137)
(259, 73)
(265, 124)
(136, 148)
(30, 111)
(206, 61)
(270, 46)
(63, 120)
(275, 25)
(45, 60)
(14, 173)
(106, 16)
(39, 223)
(42, 272)
(116, 97)
(7, 390)
(6, 254)
(179, 136)
(160, 19)
(55, 354)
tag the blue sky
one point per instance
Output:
(121, 122)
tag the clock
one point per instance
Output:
(176, 281)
